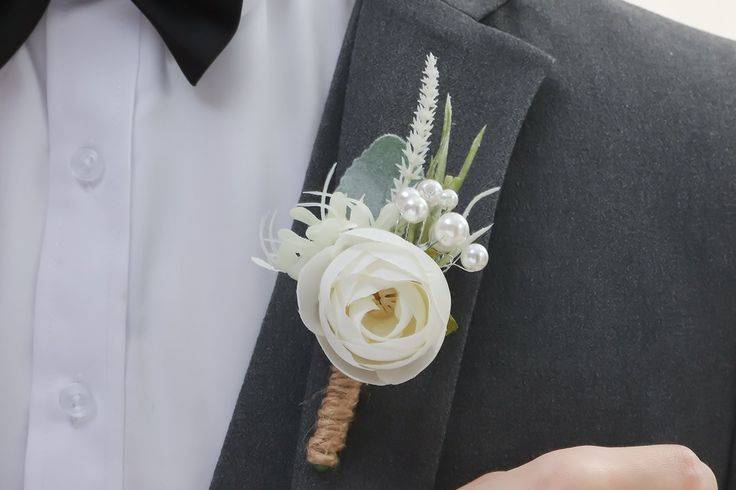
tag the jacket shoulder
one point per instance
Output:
(635, 47)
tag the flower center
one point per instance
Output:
(390, 313)
(386, 299)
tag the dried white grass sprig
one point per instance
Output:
(411, 167)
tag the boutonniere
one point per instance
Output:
(370, 265)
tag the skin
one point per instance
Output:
(662, 467)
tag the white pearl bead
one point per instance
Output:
(431, 191)
(449, 232)
(412, 206)
(474, 257)
(405, 195)
(448, 200)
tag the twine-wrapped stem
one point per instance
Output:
(333, 420)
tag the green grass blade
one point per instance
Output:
(457, 182)
(439, 161)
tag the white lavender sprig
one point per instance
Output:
(411, 167)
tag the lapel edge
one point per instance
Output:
(475, 8)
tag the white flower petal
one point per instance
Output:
(387, 217)
(360, 287)
(303, 215)
(360, 214)
(363, 375)
(407, 372)
(338, 206)
(386, 271)
(308, 283)
(342, 325)
(374, 355)
(262, 263)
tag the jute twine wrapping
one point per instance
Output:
(333, 420)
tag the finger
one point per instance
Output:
(660, 467)
(663, 467)
(499, 480)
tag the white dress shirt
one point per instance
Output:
(129, 209)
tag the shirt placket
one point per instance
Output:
(76, 422)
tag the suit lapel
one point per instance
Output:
(396, 439)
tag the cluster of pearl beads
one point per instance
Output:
(415, 203)
(451, 231)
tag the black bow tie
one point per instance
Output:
(196, 31)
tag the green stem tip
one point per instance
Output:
(457, 182)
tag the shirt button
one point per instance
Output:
(87, 165)
(77, 402)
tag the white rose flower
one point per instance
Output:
(378, 305)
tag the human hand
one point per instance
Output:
(663, 467)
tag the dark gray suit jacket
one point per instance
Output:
(608, 312)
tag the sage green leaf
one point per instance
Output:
(372, 174)
(451, 325)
